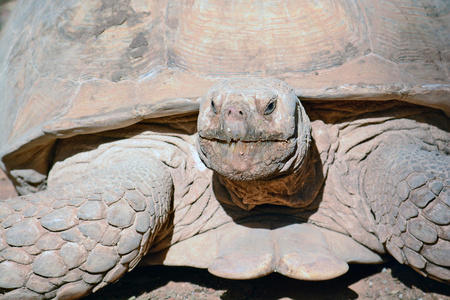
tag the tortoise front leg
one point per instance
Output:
(409, 193)
(72, 239)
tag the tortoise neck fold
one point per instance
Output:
(297, 188)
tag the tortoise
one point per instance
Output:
(242, 137)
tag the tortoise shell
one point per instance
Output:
(76, 67)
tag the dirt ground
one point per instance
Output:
(387, 281)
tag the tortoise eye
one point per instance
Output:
(270, 107)
(213, 107)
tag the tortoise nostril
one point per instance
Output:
(235, 112)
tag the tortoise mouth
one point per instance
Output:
(239, 159)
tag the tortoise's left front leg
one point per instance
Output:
(408, 188)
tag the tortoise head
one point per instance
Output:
(253, 130)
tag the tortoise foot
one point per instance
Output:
(410, 201)
(77, 238)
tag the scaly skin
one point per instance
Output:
(408, 188)
(405, 182)
(72, 239)
(84, 233)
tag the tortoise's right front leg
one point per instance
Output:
(76, 238)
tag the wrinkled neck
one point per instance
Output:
(296, 184)
(296, 187)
